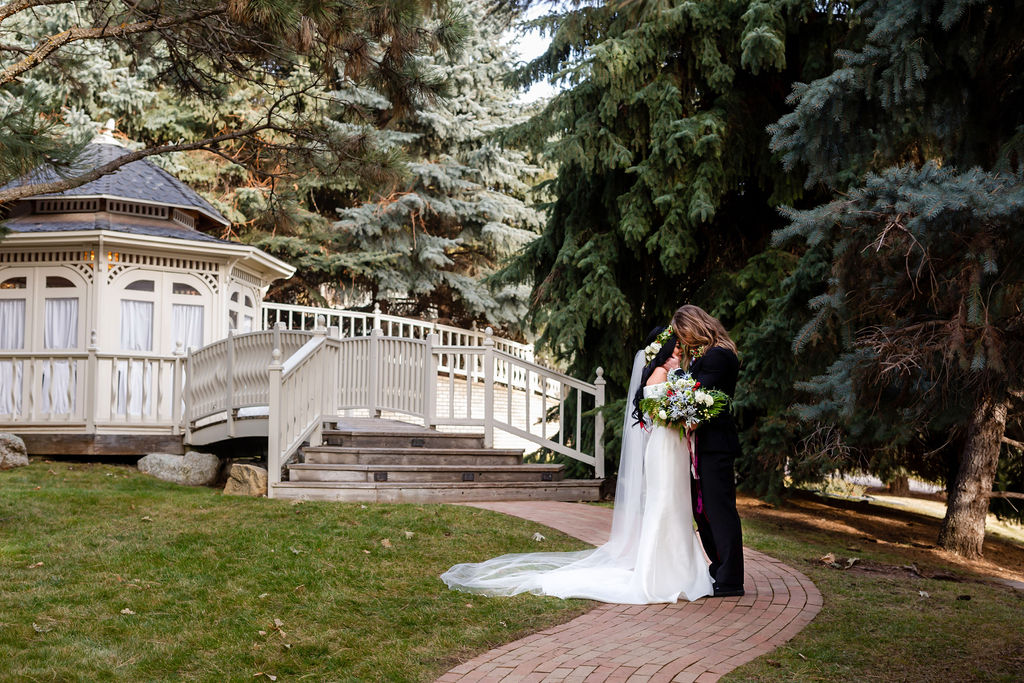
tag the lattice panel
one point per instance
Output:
(183, 219)
(243, 276)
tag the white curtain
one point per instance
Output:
(60, 332)
(12, 338)
(187, 326)
(133, 376)
(247, 322)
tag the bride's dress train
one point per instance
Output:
(652, 556)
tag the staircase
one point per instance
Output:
(386, 461)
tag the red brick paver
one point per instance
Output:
(687, 641)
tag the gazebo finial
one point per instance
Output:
(105, 136)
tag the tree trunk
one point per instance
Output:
(963, 529)
(899, 485)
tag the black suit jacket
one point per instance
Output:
(718, 369)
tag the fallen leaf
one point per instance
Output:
(469, 604)
(367, 552)
(51, 471)
(127, 611)
(923, 594)
(287, 646)
(539, 537)
(147, 518)
(262, 633)
(36, 565)
(278, 623)
(363, 506)
(263, 595)
(299, 589)
(801, 656)
(852, 561)
(386, 542)
(409, 534)
(296, 550)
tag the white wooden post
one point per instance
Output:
(91, 371)
(320, 330)
(274, 422)
(429, 381)
(376, 316)
(189, 399)
(489, 388)
(374, 390)
(599, 425)
(229, 403)
(176, 388)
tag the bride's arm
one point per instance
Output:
(659, 375)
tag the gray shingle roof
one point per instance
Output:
(141, 180)
(104, 221)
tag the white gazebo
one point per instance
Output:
(103, 289)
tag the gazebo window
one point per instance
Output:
(57, 282)
(134, 375)
(60, 333)
(12, 338)
(141, 286)
(14, 283)
(187, 325)
(182, 288)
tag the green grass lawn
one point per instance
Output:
(885, 623)
(109, 574)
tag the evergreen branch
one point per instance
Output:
(51, 44)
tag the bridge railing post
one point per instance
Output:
(176, 388)
(274, 436)
(429, 381)
(229, 398)
(488, 388)
(374, 390)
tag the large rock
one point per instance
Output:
(12, 451)
(191, 469)
(246, 480)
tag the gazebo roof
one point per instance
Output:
(140, 180)
(105, 221)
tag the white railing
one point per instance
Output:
(54, 389)
(441, 385)
(302, 391)
(360, 324)
(233, 374)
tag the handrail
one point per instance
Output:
(353, 323)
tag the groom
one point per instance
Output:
(717, 447)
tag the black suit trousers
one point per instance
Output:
(718, 523)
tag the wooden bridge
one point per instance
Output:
(352, 405)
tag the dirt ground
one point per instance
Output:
(855, 526)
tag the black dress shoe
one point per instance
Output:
(727, 592)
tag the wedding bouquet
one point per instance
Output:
(681, 402)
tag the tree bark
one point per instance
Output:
(899, 485)
(963, 529)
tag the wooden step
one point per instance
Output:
(426, 473)
(427, 438)
(462, 457)
(571, 490)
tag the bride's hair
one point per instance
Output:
(694, 327)
(662, 356)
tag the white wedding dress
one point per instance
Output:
(653, 554)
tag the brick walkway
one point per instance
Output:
(687, 641)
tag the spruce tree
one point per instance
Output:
(920, 302)
(665, 190)
(465, 205)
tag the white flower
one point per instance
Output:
(662, 414)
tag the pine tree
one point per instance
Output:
(666, 189)
(287, 57)
(464, 206)
(919, 305)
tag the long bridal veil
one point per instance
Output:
(596, 573)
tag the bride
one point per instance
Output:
(653, 554)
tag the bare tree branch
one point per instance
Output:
(22, 191)
(12, 8)
(1013, 442)
(1005, 494)
(51, 44)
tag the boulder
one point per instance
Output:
(12, 451)
(191, 469)
(246, 480)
